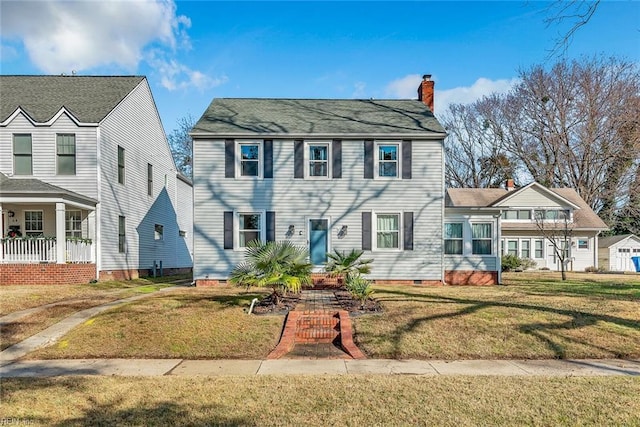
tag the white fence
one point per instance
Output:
(35, 250)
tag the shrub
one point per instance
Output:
(592, 269)
(360, 288)
(527, 263)
(510, 262)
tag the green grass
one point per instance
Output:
(324, 400)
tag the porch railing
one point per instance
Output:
(44, 249)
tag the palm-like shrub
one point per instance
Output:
(360, 289)
(349, 265)
(278, 265)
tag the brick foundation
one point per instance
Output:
(477, 278)
(407, 282)
(46, 274)
(136, 274)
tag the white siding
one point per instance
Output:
(342, 201)
(612, 260)
(43, 149)
(468, 261)
(185, 222)
(134, 125)
(532, 197)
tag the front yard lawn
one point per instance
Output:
(191, 323)
(533, 316)
(320, 400)
(68, 299)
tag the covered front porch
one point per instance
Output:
(43, 223)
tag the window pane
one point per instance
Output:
(387, 222)
(481, 247)
(538, 249)
(66, 165)
(248, 236)
(510, 215)
(387, 240)
(22, 165)
(453, 231)
(453, 247)
(318, 152)
(66, 144)
(388, 169)
(524, 214)
(22, 144)
(512, 247)
(481, 231)
(318, 169)
(525, 250)
(250, 222)
(249, 168)
(388, 152)
(249, 152)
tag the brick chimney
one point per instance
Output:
(509, 185)
(425, 91)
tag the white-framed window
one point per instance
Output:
(517, 214)
(387, 231)
(251, 226)
(481, 238)
(158, 232)
(317, 159)
(583, 243)
(525, 249)
(538, 249)
(33, 223)
(453, 241)
(387, 159)
(22, 154)
(182, 233)
(66, 153)
(249, 155)
(552, 214)
(512, 247)
(73, 223)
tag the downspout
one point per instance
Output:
(98, 214)
(498, 253)
(253, 302)
(595, 250)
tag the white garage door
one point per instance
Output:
(623, 259)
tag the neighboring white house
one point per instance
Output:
(534, 214)
(615, 252)
(88, 181)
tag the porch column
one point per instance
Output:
(92, 234)
(60, 234)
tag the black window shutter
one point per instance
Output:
(408, 231)
(366, 231)
(406, 159)
(336, 153)
(271, 226)
(228, 230)
(229, 158)
(268, 158)
(368, 159)
(298, 159)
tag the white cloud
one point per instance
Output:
(469, 94)
(65, 36)
(407, 88)
(174, 75)
(359, 89)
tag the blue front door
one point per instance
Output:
(318, 240)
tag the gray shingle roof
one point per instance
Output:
(605, 242)
(88, 98)
(255, 116)
(584, 217)
(35, 187)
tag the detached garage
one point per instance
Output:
(615, 252)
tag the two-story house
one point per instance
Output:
(328, 174)
(88, 185)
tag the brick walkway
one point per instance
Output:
(317, 329)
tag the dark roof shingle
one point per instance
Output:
(255, 116)
(88, 98)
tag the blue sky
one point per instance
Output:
(195, 51)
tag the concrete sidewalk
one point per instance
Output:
(179, 367)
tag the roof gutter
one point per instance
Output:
(307, 135)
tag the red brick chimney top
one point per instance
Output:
(509, 185)
(425, 91)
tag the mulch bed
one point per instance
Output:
(288, 302)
